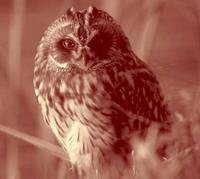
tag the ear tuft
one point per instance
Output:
(70, 12)
(92, 9)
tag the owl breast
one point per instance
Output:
(79, 111)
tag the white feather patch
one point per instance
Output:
(77, 135)
(61, 65)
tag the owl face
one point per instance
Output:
(84, 40)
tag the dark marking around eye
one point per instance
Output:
(63, 49)
(100, 44)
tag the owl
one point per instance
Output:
(95, 94)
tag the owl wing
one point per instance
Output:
(138, 100)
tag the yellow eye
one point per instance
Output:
(69, 44)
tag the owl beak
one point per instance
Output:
(85, 62)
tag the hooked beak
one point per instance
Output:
(85, 63)
(86, 60)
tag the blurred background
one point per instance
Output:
(165, 34)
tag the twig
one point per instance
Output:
(40, 143)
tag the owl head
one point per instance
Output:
(83, 39)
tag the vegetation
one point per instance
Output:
(164, 34)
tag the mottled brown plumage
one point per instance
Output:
(95, 94)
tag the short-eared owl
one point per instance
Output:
(94, 92)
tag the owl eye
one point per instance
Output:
(69, 44)
(101, 43)
(99, 40)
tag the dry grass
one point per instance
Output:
(165, 34)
